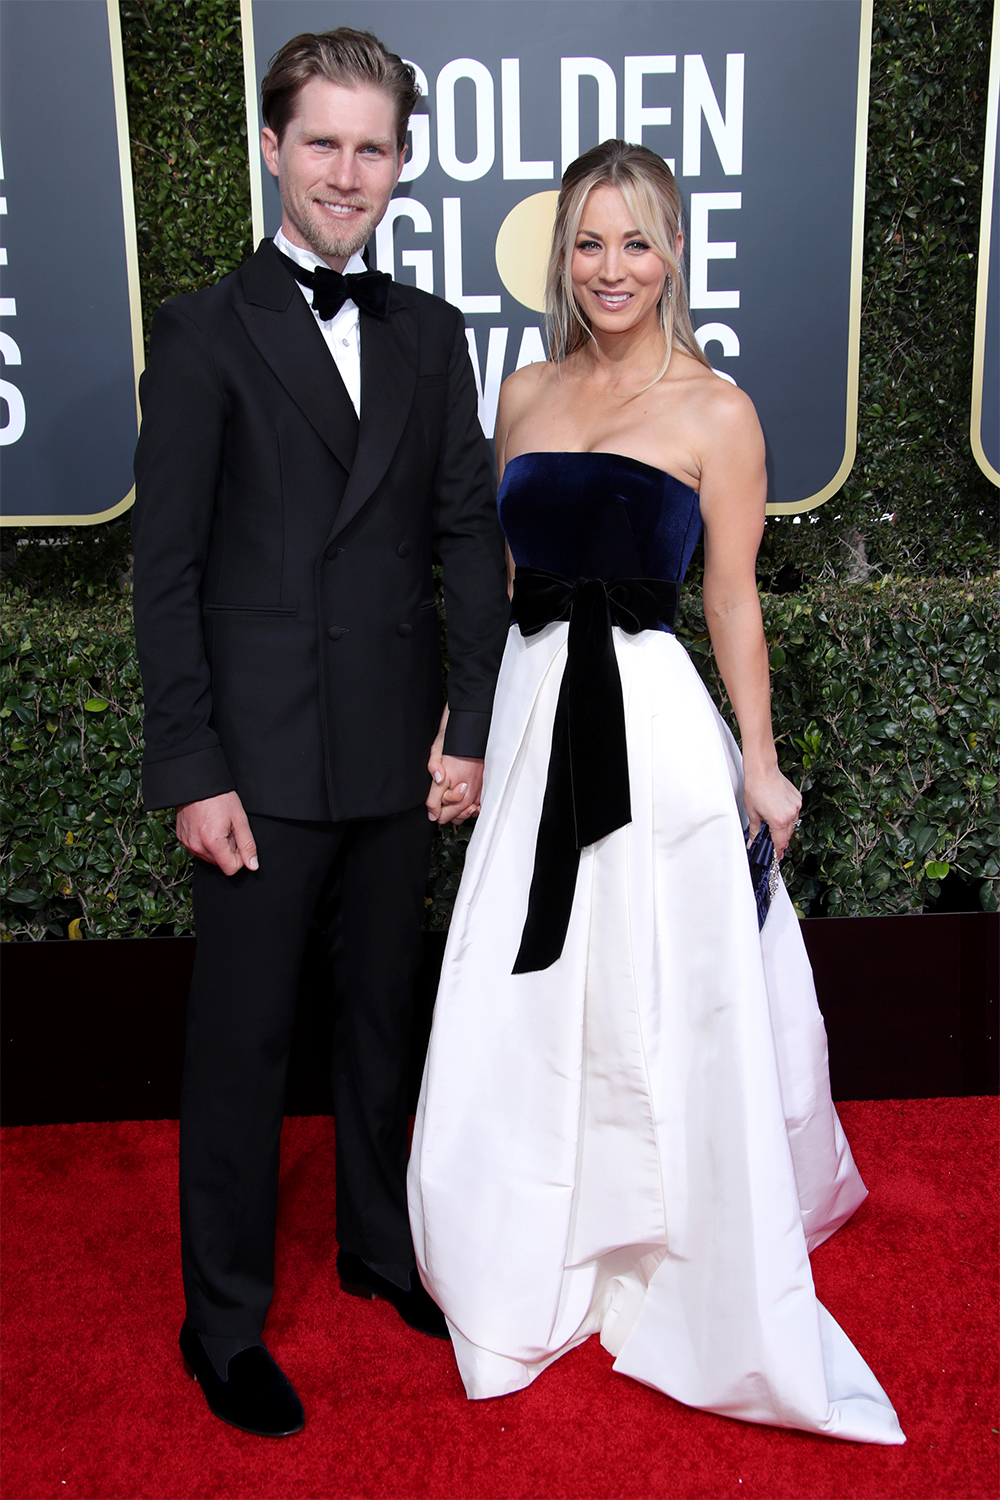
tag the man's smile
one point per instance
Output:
(342, 210)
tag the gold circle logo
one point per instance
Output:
(522, 250)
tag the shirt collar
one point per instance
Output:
(308, 260)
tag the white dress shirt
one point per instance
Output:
(342, 332)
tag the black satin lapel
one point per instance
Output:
(290, 342)
(388, 381)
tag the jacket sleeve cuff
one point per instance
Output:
(466, 734)
(186, 778)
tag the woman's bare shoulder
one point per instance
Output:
(524, 384)
(719, 408)
(519, 395)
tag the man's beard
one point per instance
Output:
(337, 244)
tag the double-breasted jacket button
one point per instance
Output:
(403, 550)
(404, 630)
(335, 632)
(333, 552)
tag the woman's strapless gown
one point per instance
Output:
(638, 1141)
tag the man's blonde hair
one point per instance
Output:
(343, 56)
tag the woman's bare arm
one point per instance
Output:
(732, 494)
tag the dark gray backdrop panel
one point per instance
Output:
(67, 268)
(794, 230)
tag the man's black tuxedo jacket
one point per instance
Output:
(284, 599)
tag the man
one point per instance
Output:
(302, 459)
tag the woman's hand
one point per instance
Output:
(456, 785)
(771, 798)
(435, 761)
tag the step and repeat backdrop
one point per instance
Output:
(70, 327)
(759, 106)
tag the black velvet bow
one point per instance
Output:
(587, 786)
(368, 290)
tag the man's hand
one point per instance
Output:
(216, 830)
(460, 792)
(456, 784)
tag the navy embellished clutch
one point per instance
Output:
(765, 872)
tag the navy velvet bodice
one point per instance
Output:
(597, 515)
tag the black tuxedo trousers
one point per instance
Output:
(365, 880)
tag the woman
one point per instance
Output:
(625, 1125)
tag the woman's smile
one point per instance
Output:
(613, 301)
(616, 273)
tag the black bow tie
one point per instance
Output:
(368, 290)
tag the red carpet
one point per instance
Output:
(95, 1402)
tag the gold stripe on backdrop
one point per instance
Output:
(795, 507)
(132, 269)
(987, 228)
(253, 121)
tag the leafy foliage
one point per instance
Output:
(887, 698)
(447, 861)
(187, 116)
(79, 856)
(881, 690)
(74, 565)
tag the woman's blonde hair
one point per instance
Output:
(648, 187)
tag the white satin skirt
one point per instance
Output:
(639, 1141)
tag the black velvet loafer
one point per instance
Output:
(415, 1306)
(256, 1395)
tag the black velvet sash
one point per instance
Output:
(587, 787)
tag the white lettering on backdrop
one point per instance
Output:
(13, 428)
(479, 75)
(465, 138)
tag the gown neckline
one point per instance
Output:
(624, 458)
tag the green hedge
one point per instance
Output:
(76, 845)
(885, 705)
(187, 120)
(880, 692)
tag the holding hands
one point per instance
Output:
(456, 783)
